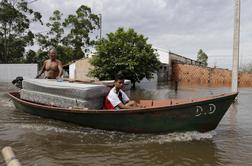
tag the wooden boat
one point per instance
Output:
(158, 116)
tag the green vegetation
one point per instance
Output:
(202, 56)
(71, 44)
(15, 35)
(125, 51)
(246, 68)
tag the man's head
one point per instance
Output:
(52, 53)
(119, 81)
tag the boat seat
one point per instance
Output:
(155, 103)
(165, 102)
(160, 103)
(146, 103)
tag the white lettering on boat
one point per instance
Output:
(212, 108)
(200, 111)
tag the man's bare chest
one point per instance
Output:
(51, 66)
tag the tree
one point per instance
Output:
(41, 57)
(202, 57)
(14, 29)
(70, 37)
(246, 68)
(82, 25)
(54, 36)
(30, 57)
(127, 52)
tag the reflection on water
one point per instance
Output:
(232, 116)
(152, 90)
(40, 141)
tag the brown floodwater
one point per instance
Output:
(39, 141)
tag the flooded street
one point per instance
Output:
(39, 141)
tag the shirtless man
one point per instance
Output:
(52, 67)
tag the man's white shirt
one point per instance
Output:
(114, 99)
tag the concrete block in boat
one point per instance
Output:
(67, 89)
(60, 101)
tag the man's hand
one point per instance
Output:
(59, 79)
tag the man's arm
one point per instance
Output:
(129, 104)
(42, 70)
(124, 106)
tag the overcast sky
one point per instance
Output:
(181, 26)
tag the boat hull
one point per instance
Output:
(199, 116)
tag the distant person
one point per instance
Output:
(117, 99)
(52, 67)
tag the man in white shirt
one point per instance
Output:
(116, 98)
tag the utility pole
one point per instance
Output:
(100, 17)
(236, 43)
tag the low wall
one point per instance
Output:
(175, 59)
(190, 74)
(245, 79)
(8, 72)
